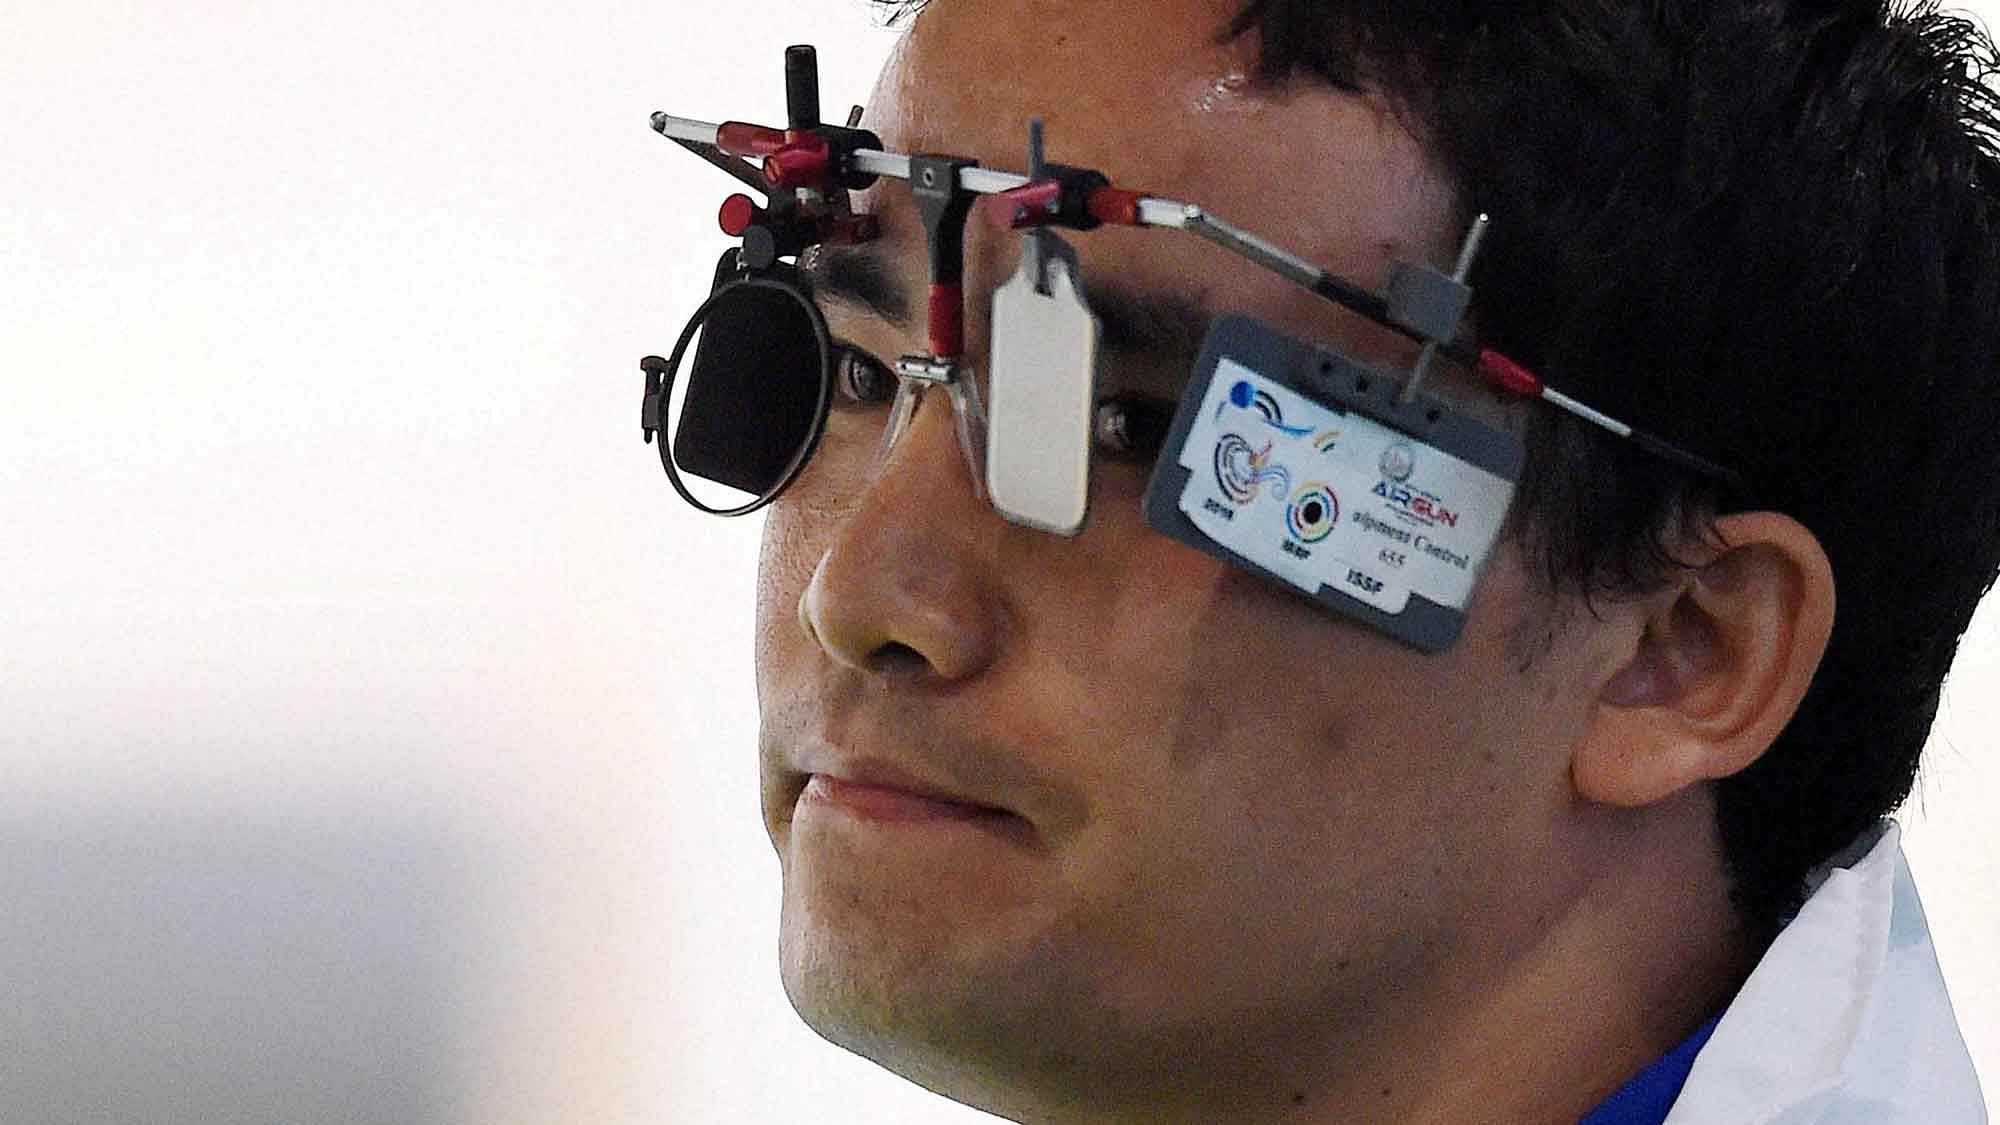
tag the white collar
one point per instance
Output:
(1845, 1019)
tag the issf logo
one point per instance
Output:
(1240, 469)
(1312, 514)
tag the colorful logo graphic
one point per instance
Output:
(1240, 470)
(1243, 396)
(1399, 461)
(1313, 513)
(1416, 505)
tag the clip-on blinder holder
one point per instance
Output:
(1040, 432)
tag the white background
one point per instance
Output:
(376, 737)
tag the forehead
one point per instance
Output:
(1149, 95)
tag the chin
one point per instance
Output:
(1023, 1030)
(925, 1027)
(912, 1018)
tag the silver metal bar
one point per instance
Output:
(985, 181)
(683, 128)
(1242, 242)
(1557, 398)
(882, 164)
(1169, 213)
(979, 181)
(1468, 252)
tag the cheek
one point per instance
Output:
(1208, 713)
(785, 562)
(1197, 686)
(1206, 655)
(1249, 790)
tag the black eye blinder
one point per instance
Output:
(758, 388)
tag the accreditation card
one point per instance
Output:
(1298, 463)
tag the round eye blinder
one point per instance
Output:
(754, 394)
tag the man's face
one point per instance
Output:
(1224, 831)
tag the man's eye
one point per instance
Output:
(861, 379)
(1131, 427)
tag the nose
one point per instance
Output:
(907, 587)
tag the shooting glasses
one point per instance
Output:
(1289, 458)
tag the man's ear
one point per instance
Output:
(1721, 659)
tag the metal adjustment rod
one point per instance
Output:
(1035, 245)
(944, 204)
(1467, 252)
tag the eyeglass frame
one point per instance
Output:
(818, 165)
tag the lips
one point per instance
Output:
(892, 803)
(893, 765)
(890, 789)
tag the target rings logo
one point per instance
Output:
(1313, 512)
(1239, 469)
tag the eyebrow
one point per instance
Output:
(858, 277)
(1130, 322)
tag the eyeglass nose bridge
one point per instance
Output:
(917, 376)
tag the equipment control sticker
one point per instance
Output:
(1325, 498)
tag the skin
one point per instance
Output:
(1252, 861)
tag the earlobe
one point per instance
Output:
(1719, 661)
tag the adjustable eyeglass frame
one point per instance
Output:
(807, 170)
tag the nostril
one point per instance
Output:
(897, 659)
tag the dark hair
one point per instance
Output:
(1769, 231)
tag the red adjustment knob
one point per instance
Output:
(947, 320)
(739, 139)
(801, 164)
(1115, 205)
(1030, 205)
(1497, 368)
(739, 213)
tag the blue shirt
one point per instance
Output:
(1646, 1099)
